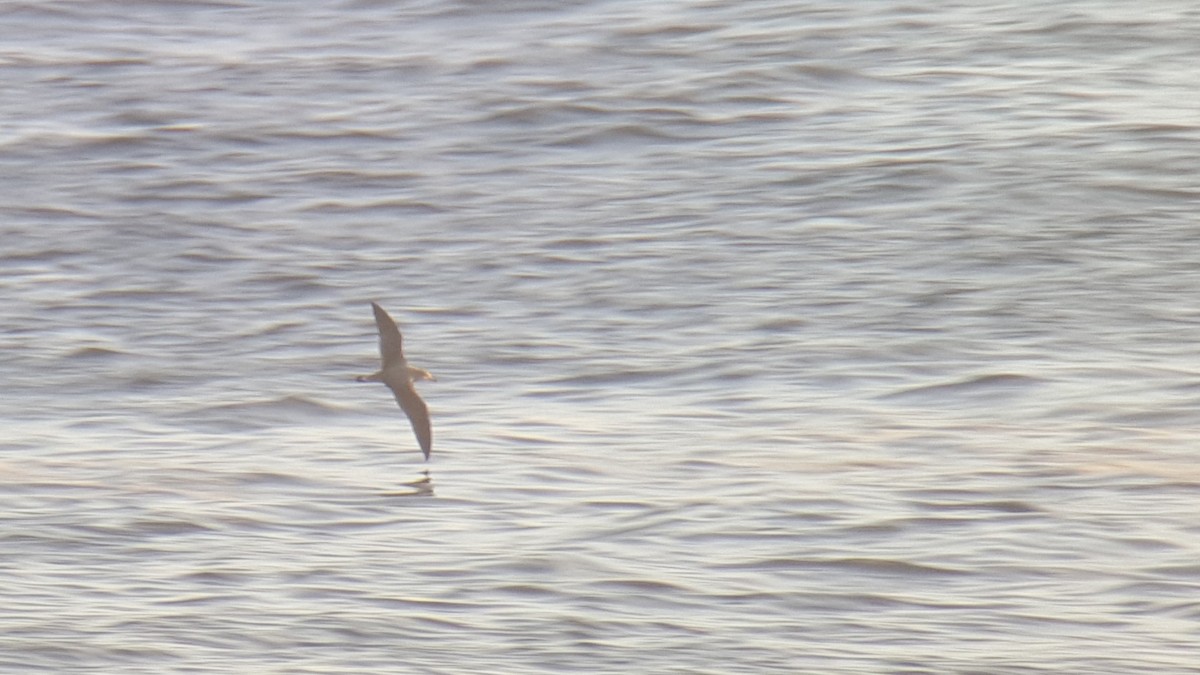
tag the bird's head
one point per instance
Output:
(417, 374)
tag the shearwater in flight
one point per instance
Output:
(399, 377)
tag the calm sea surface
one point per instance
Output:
(771, 337)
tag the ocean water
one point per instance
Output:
(771, 337)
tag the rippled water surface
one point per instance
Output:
(771, 337)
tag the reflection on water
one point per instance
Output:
(421, 487)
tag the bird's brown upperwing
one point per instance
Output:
(418, 413)
(391, 345)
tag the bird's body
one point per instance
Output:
(399, 377)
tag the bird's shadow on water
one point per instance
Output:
(421, 487)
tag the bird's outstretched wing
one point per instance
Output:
(391, 345)
(418, 413)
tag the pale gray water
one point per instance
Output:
(772, 337)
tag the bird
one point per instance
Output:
(399, 377)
